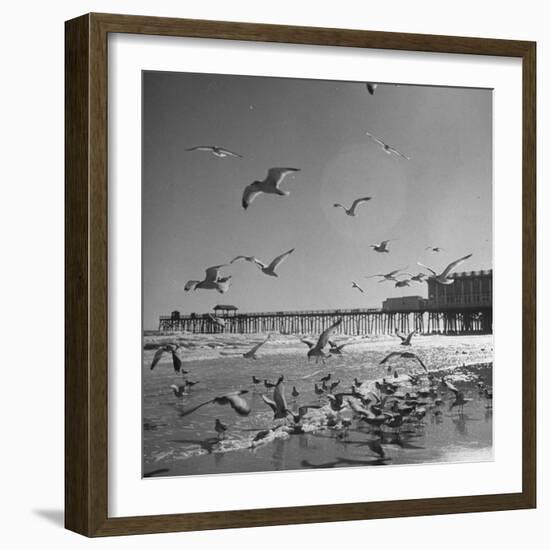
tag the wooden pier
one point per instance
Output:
(467, 320)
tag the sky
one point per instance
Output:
(192, 216)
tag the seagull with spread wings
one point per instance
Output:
(434, 248)
(386, 276)
(233, 399)
(269, 185)
(382, 247)
(443, 278)
(278, 404)
(405, 340)
(219, 152)
(251, 353)
(211, 281)
(317, 349)
(404, 355)
(266, 269)
(388, 149)
(355, 285)
(167, 348)
(352, 210)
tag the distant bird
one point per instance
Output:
(219, 152)
(355, 285)
(357, 382)
(334, 385)
(336, 349)
(220, 428)
(405, 355)
(418, 278)
(251, 354)
(326, 378)
(382, 247)
(269, 185)
(266, 269)
(443, 278)
(317, 350)
(388, 149)
(179, 390)
(211, 281)
(167, 348)
(217, 320)
(405, 340)
(371, 87)
(351, 211)
(233, 399)
(318, 390)
(295, 392)
(434, 248)
(255, 380)
(402, 283)
(386, 276)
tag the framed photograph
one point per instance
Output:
(300, 275)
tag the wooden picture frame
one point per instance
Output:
(86, 283)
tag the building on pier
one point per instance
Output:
(471, 289)
(404, 303)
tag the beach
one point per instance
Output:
(175, 445)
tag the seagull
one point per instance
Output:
(418, 278)
(357, 382)
(353, 208)
(355, 285)
(387, 148)
(317, 350)
(405, 355)
(404, 282)
(269, 384)
(434, 248)
(219, 152)
(168, 348)
(251, 354)
(405, 340)
(212, 281)
(295, 392)
(386, 276)
(278, 403)
(269, 185)
(337, 400)
(302, 411)
(371, 87)
(266, 269)
(382, 247)
(234, 399)
(336, 349)
(217, 320)
(220, 428)
(255, 380)
(460, 400)
(179, 391)
(317, 389)
(443, 278)
(326, 378)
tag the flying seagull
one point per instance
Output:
(278, 404)
(402, 283)
(336, 349)
(211, 281)
(418, 278)
(355, 285)
(443, 278)
(269, 185)
(234, 399)
(217, 320)
(434, 248)
(219, 152)
(266, 269)
(317, 350)
(387, 148)
(382, 247)
(353, 208)
(405, 340)
(167, 348)
(371, 87)
(405, 355)
(251, 354)
(386, 276)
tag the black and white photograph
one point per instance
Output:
(317, 274)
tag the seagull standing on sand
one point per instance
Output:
(269, 185)
(351, 211)
(443, 278)
(317, 350)
(211, 281)
(266, 269)
(388, 149)
(382, 247)
(355, 285)
(219, 152)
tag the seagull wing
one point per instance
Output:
(230, 153)
(238, 404)
(156, 357)
(389, 356)
(190, 285)
(408, 339)
(176, 361)
(428, 268)
(377, 140)
(201, 148)
(420, 361)
(247, 258)
(400, 336)
(325, 335)
(452, 265)
(276, 175)
(357, 202)
(308, 343)
(258, 346)
(212, 273)
(279, 397)
(249, 194)
(279, 259)
(399, 153)
(272, 405)
(338, 205)
(193, 409)
(395, 271)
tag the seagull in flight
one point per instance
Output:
(351, 211)
(217, 320)
(251, 354)
(355, 285)
(443, 278)
(336, 349)
(266, 269)
(220, 428)
(405, 340)
(233, 399)
(269, 185)
(167, 348)
(211, 281)
(219, 152)
(434, 248)
(382, 247)
(278, 404)
(402, 283)
(371, 87)
(317, 350)
(386, 276)
(418, 278)
(387, 148)
(404, 355)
